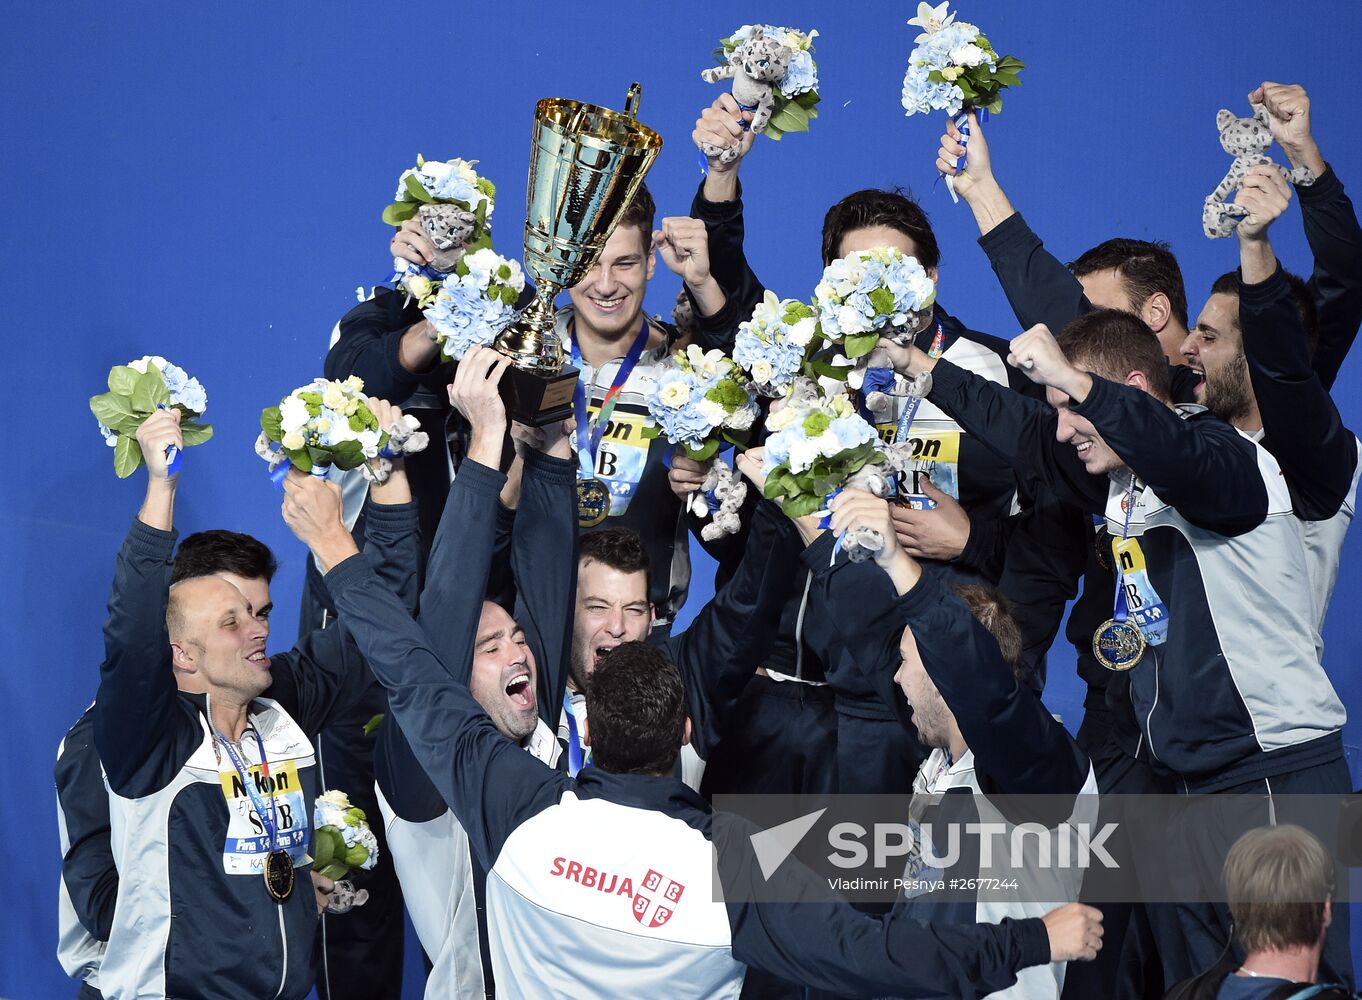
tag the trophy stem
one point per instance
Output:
(531, 342)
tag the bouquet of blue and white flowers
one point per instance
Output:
(136, 391)
(701, 400)
(328, 423)
(475, 302)
(815, 445)
(774, 345)
(441, 182)
(796, 95)
(954, 66)
(871, 294)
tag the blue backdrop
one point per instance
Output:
(205, 182)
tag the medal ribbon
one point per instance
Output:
(937, 348)
(589, 433)
(1120, 609)
(576, 755)
(271, 821)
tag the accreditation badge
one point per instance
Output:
(622, 457)
(248, 848)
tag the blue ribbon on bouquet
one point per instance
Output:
(422, 270)
(962, 123)
(746, 127)
(825, 522)
(174, 456)
(278, 473)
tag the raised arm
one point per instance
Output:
(1331, 227)
(544, 564)
(1200, 465)
(324, 676)
(386, 343)
(732, 634)
(718, 204)
(1318, 455)
(142, 736)
(490, 783)
(1018, 429)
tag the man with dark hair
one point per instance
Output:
(1140, 277)
(1194, 510)
(581, 871)
(954, 506)
(190, 710)
(948, 661)
(1279, 881)
(206, 553)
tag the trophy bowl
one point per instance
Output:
(586, 164)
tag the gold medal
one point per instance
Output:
(1118, 645)
(593, 502)
(279, 874)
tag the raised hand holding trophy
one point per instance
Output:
(586, 163)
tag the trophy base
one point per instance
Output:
(537, 399)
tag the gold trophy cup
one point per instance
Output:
(586, 162)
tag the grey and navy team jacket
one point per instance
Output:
(1291, 382)
(1230, 688)
(193, 917)
(600, 886)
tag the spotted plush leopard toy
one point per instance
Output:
(1247, 140)
(755, 67)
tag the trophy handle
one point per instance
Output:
(632, 98)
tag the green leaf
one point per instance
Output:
(808, 101)
(820, 367)
(774, 487)
(859, 345)
(935, 76)
(270, 424)
(116, 413)
(883, 301)
(995, 106)
(651, 431)
(323, 848)
(334, 871)
(416, 190)
(480, 216)
(704, 453)
(802, 506)
(347, 455)
(373, 724)
(399, 212)
(127, 457)
(300, 459)
(123, 379)
(1007, 79)
(356, 856)
(150, 391)
(194, 432)
(790, 118)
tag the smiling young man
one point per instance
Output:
(203, 738)
(714, 655)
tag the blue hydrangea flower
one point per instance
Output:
(801, 77)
